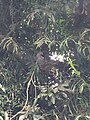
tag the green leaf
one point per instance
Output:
(2, 88)
(1, 118)
(88, 117)
(79, 116)
(72, 66)
(81, 88)
(53, 99)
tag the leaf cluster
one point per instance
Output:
(27, 92)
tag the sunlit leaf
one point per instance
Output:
(72, 65)
(1, 118)
(2, 88)
(81, 88)
(53, 99)
(78, 117)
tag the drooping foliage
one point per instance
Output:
(44, 59)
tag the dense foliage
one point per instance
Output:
(44, 60)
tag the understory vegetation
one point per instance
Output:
(44, 60)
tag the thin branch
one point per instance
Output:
(27, 95)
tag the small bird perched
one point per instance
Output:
(40, 58)
(45, 65)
